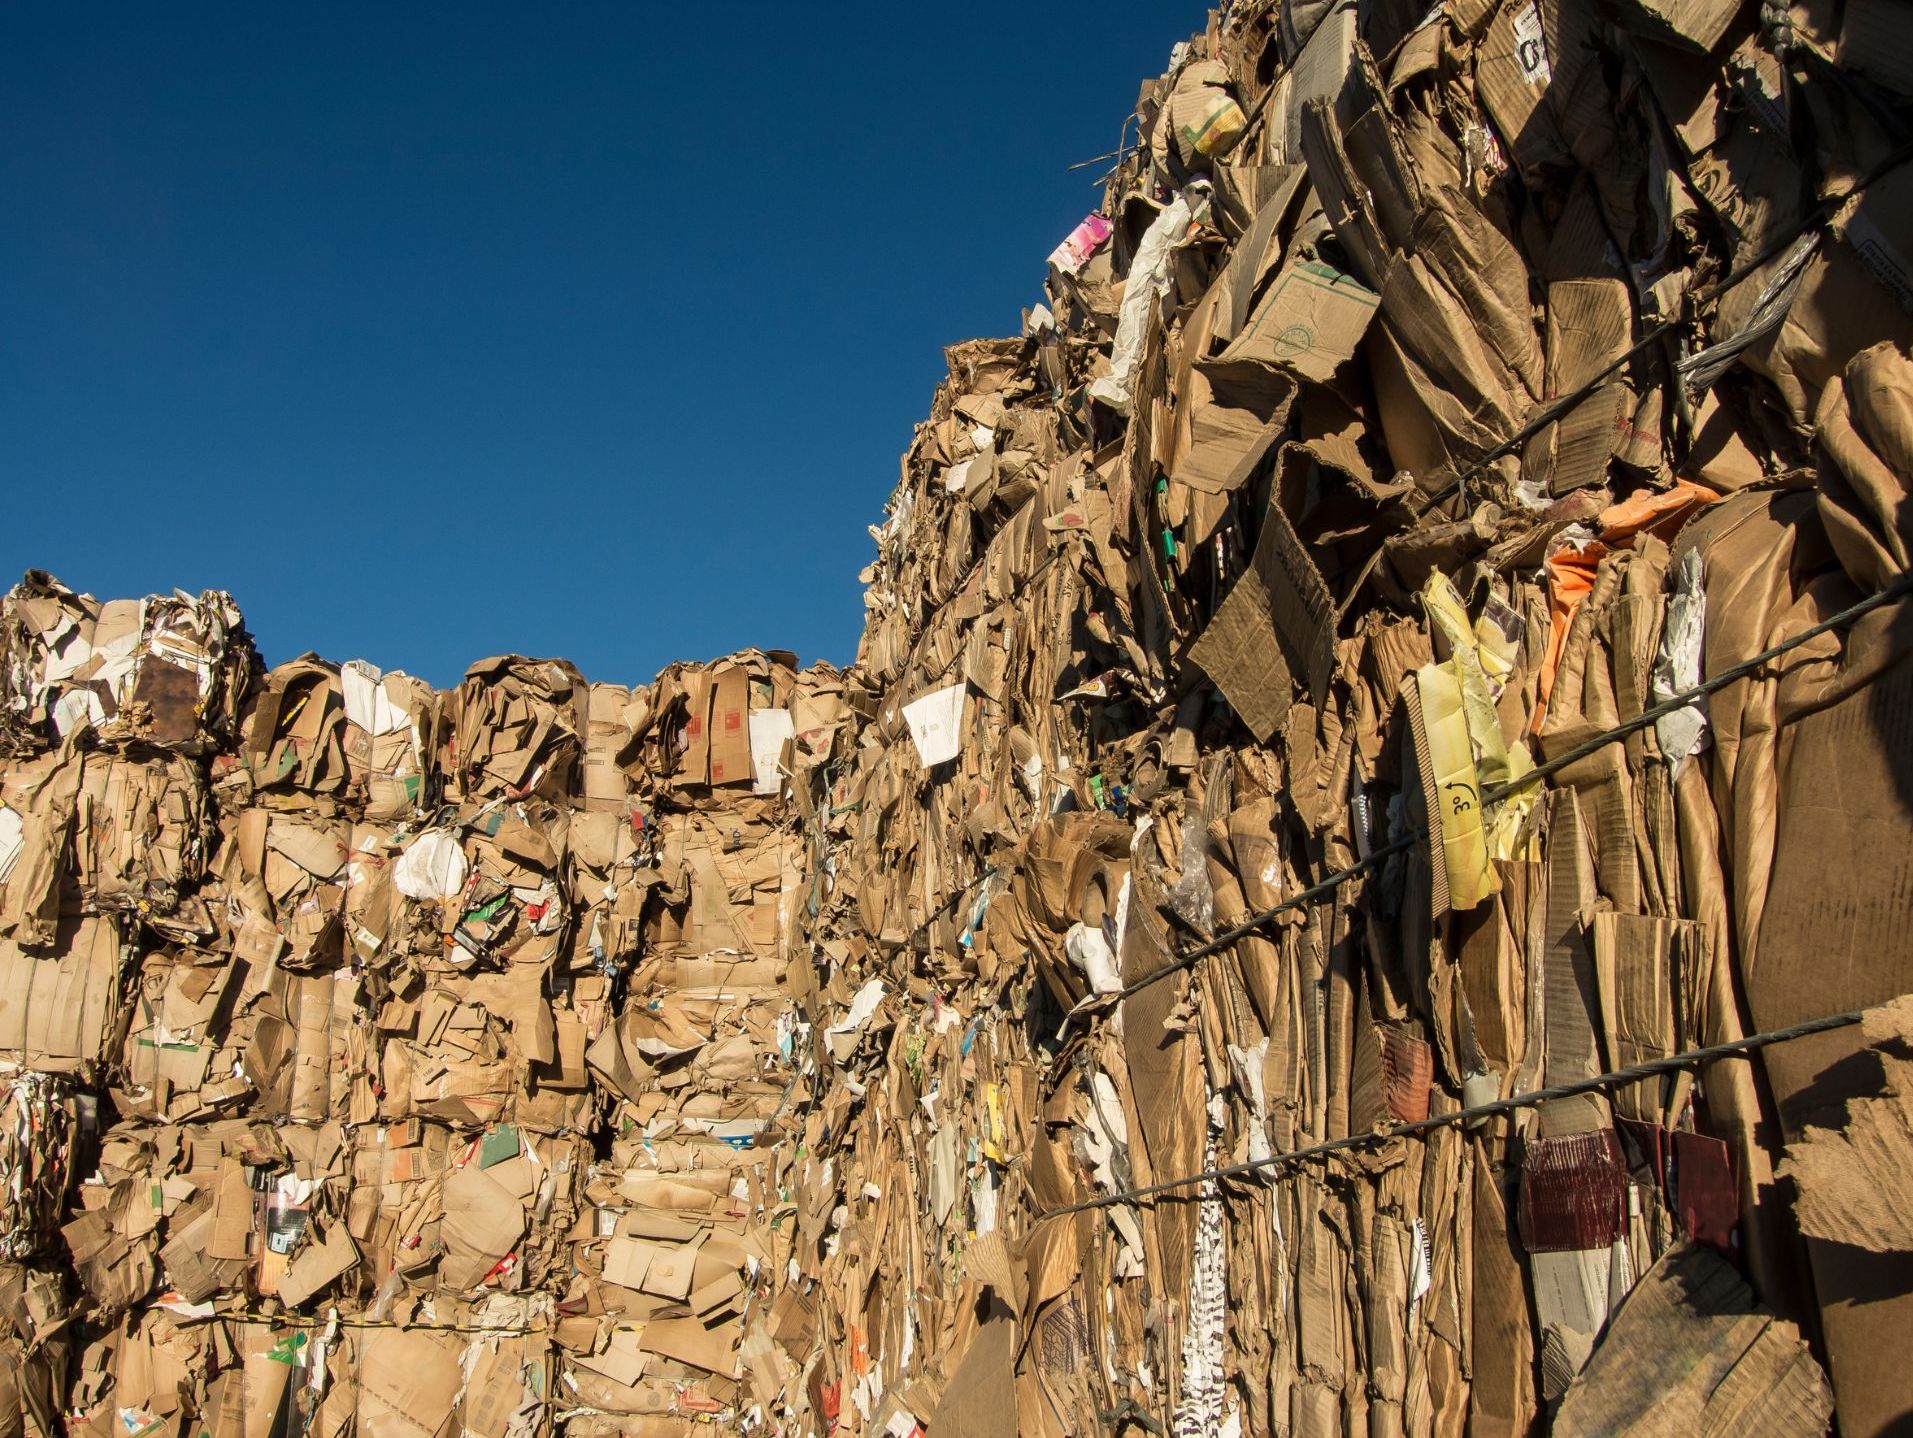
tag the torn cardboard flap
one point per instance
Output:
(1281, 596)
(1849, 1175)
(482, 1224)
(1310, 320)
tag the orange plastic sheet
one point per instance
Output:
(1571, 571)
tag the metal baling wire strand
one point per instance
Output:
(1670, 705)
(1635, 1073)
(295, 1320)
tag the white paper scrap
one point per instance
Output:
(936, 725)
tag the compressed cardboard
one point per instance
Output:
(1848, 1175)
(719, 1051)
(1309, 320)
(1283, 595)
(407, 1383)
(1690, 1352)
(730, 729)
(58, 1005)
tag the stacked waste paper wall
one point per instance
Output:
(384, 1060)
(1263, 751)
(1357, 883)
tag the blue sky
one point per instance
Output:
(436, 331)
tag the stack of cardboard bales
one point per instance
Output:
(381, 1059)
(1434, 395)
(691, 1235)
(1434, 391)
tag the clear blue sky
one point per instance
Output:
(435, 331)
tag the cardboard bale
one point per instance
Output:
(1283, 599)
(167, 670)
